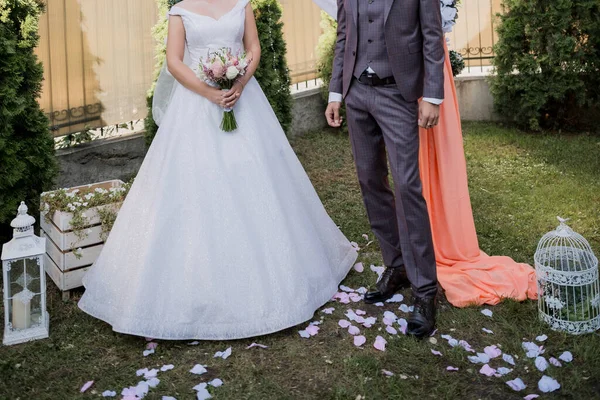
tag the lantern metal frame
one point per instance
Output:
(24, 246)
(568, 281)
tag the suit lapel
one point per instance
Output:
(354, 4)
(388, 8)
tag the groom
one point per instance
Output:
(389, 53)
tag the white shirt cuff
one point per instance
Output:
(437, 102)
(335, 97)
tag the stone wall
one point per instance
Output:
(121, 157)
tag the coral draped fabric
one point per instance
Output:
(467, 274)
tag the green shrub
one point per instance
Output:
(547, 63)
(27, 162)
(325, 55)
(457, 62)
(272, 73)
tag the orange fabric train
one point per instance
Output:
(467, 274)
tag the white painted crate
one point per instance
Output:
(63, 266)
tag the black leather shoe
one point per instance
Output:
(421, 322)
(392, 280)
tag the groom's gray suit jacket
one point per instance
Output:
(413, 41)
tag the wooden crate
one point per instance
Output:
(62, 265)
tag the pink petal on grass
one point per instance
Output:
(344, 324)
(359, 340)
(450, 368)
(262, 346)
(516, 384)
(387, 373)
(487, 370)
(380, 343)
(86, 386)
(403, 325)
(436, 353)
(152, 346)
(388, 322)
(353, 330)
(360, 312)
(355, 297)
(555, 362)
(492, 351)
(487, 331)
(390, 316)
(391, 330)
(328, 311)
(531, 396)
(312, 330)
(359, 267)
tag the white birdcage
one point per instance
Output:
(567, 281)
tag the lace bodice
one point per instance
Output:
(204, 33)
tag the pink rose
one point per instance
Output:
(218, 69)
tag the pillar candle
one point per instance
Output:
(21, 310)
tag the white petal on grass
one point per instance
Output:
(436, 353)
(487, 331)
(359, 267)
(541, 363)
(86, 386)
(328, 311)
(503, 371)
(451, 368)
(532, 349)
(153, 382)
(516, 384)
(379, 304)
(397, 298)
(195, 343)
(387, 373)
(391, 330)
(492, 351)
(508, 358)
(566, 357)
(146, 353)
(390, 316)
(346, 289)
(312, 330)
(223, 354)
(167, 367)
(487, 312)
(304, 334)
(531, 396)
(262, 346)
(487, 370)
(555, 362)
(380, 343)
(541, 338)
(199, 369)
(109, 393)
(168, 398)
(216, 382)
(403, 308)
(202, 392)
(547, 384)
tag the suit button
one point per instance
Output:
(370, 21)
(370, 41)
(353, 53)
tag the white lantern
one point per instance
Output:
(25, 316)
(567, 281)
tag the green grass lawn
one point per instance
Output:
(519, 183)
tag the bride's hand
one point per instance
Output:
(234, 94)
(215, 95)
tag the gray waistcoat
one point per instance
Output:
(372, 50)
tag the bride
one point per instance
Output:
(222, 235)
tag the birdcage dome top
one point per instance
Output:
(563, 249)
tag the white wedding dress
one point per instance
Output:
(222, 235)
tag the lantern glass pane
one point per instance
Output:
(36, 310)
(15, 277)
(32, 266)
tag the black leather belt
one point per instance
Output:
(373, 80)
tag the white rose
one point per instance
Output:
(448, 2)
(232, 73)
(448, 14)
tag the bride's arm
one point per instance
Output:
(179, 70)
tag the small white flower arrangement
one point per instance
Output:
(449, 9)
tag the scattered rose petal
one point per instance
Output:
(487, 331)
(328, 311)
(541, 338)
(86, 386)
(359, 340)
(508, 358)
(451, 368)
(555, 362)
(346, 289)
(503, 371)
(168, 398)
(146, 353)
(150, 373)
(198, 369)
(390, 316)
(379, 304)
(361, 290)
(153, 382)
(353, 330)
(487, 312)
(361, 312)
(359, 267)
(167, 367)
(369, 321)
(377, 270)
(304, 334)
(403, 325)
(397, 298)
(344, 324)
(365, 236)
(531, 396)
(387, 373)
(547, 384)
(492, 351)
(480, 358)
(109, 393)
(391, 330)
(152, 346)
(436, 353)
(141, 372)
(516, 384)
(202, 392)
(216, 382)
(224, 354)
(566, 357)
(388, 322)
(149, 339)
(487, 370)
(380, 343)
(312, 330)
(142, 389)
(403, 308)
(355, 245)
(262, 346)
(355, 297)
(541, 363)
(195, 343)
(532, 349)
(466, 346)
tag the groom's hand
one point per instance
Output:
(429, 114)
(333, 114)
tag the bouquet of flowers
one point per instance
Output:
(449, 14)
(222, 68)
